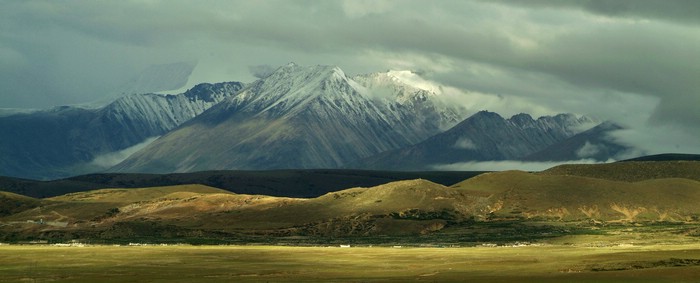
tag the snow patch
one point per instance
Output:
(412, 79)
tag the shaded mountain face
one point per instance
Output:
(64, 141)
(485, 136)
(595, 143)
(299, 117)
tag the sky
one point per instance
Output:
(636, 62)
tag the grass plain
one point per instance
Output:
(553, 263)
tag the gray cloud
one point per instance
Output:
(110, 159)
(262, 71)
(672, 10)
(633, 61)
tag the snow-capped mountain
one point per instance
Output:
(295, 117)
(299, 117)
(411, 102)
(484, 136)
(158, 113)
(65, 141)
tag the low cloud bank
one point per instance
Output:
(108, 160)
(508, 165)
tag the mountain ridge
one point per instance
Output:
(63, 141)
(594, 143)
(484, 136)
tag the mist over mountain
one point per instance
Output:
(65, 141)
(595, 143)
(156, 78)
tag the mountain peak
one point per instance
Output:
(300, 74)
(522, 119)
(485, 114)
(211, 92)
(292, 89)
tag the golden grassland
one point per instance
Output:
(553, 263)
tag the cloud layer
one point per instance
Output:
(631, 61)
(506, 165)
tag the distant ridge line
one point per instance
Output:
(283, 183)
(666, 157)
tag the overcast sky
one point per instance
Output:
(636, 62)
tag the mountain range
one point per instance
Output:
(297, 117)
(66, 141)
(484, 136)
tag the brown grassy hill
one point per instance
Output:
(409, 207)
(356, 210)
(11, 203)
(631, 171)
(135, 195)
(558, 197)
(391, 197)
(95, 206)
(287, 183)
(403, 207)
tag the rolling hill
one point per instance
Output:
(286, 183)
(566, 197)
(408, 207)
(631, 171)
(11, 203)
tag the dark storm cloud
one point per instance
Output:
(673, 10)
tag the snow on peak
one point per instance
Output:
(291, 88)
(412, 79)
